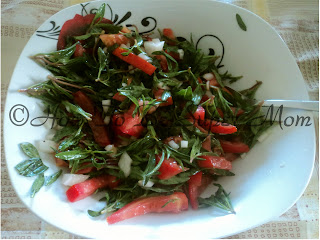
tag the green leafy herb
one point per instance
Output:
(31, 167)
(220, 199)
(37, 184)
(241, 23)
(29, 150)
(51, 179)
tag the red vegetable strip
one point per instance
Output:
(175, 203)
(214, 162)
(135, 61)
(234, 147)
(84, 189)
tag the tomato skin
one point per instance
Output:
(218, 127)
(196, 185)
(119, 97)
(234, 147)
(124, 124)
(76, 27)
(214, 162)
(168, 168)
(99, 129)
(79, 51)
(135, 61)
(84, 189)
(200, 113)
(158, 95)
(206, 144)
(169, 34)
(174, 203)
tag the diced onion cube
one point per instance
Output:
(184, 144)
(152, 46)
(125, 164)
(181, 53)
(47, 146)
(145, 57)
(124, 84)
(69, 179)
(208, 76)
(148, 184)
(209, 94)
(106, 120)
(106, 104)
(111, 148)
(173, 144)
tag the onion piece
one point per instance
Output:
(106, 104)
(106, 120)
(184, 144)
(145, 57)
(152, 46)
(69, 179)
(46, 146)
(148, 184)
(208, 76)
(181, 53)
(125, 164)
(173, 144)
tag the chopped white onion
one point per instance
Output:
(106, 104)
(162, 86)
(125, 164)
(69, 179)
(123, 46)
(110, 94)
(155, 40)
(184, 144)
(145, 57)
(111, 148)
(148, 184)
(208, 76)
(173, 144)
(106, 120)
(124, 84)
(152, 46)
(181, 53)
(46, 146)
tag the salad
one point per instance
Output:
(148, 121)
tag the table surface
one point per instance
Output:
(297, 23)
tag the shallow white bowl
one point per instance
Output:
(268, 181)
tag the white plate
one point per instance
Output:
(268, 181)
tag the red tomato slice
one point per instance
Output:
(168, 168)
(163, 62)
(174, 203)
(199, 114)
(213, 126)
(196, 185)
(158, 95)
(84, 189)
(119, 97)
(125, 124)
(214, 162)
(169, 34)
(79, 51)
(206, 144)
(76, 27)
(99, 129)
(234, 147)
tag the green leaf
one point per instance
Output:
(72, 155)
(185, 93)
(63, 132)
(241, 23)
(31, 167)
(29, 150)
(99, 14)
(109, 28)
(37, 184)
(103, 61)
(220, 199)
(76, 110)
(83, 37)
(195, 150)
(197, 95)
(51, 179)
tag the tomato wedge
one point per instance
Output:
(174, 203)
(196, 185)
(234, 147)
(135, 61)
(99, 129)
(84, 189)
(76, 27)
(214, 162)
(168, 32)
(119, 97)
(124, 124)
(199, 114)
(208, 125)
(168, 168)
